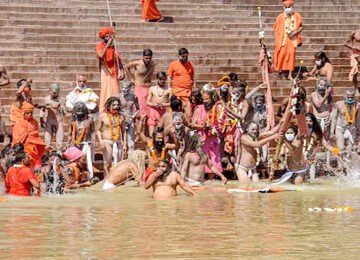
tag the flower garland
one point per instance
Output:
(306, 149)
(292, 24)
(284, 151)
(117, 136)
(154, 155)
(352, 119)
(217, 120)
(237, 110)
(83, 130)
(294, 98)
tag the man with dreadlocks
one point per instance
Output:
(111, 133)
(156, 148)
(212, 117)
(132, 168)
(195, 160)
(82, 132)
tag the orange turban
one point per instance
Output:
(288, 2)
(103, 32)
(27, 107)
(224, 80)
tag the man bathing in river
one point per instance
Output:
(132, 168)
(193, 170)
(164, 182)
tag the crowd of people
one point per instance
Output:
(175, 132)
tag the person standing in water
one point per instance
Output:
(164, 182)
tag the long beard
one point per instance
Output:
(208, 106)
(159, 145)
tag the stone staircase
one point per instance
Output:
(53, 40)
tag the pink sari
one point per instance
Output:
(212, 143)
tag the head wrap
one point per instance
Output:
(288, 2)
(73, 153)
(224, 80)
(27, 107)
(103, 32)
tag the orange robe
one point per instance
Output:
(150, 11)
(285, 48)
(182, 74)
(109, 73)
(16, 114)
(27, 133)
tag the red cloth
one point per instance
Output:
(109, 59)
(182, 74)
(104, 31)
(150, 11)
(27, 133)
(17, 180)
(149, 171)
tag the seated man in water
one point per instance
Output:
(77, 169)
(164, 182)
(20, 179)
(193, 170)
(132, 168)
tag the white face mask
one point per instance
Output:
(235, 97)
(288, 10)
(178, 126)
(290, 137)
(318, 62)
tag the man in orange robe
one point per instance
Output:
(287, 29)
(181, 75)
(110, 73)
(26, 132)
(150, 11)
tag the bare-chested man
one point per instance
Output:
(182, 134)
(353, 43)
(82, 133)
(156, 148)
(344, 123)
(322, 68)
(52, 117)
(111, 133)
(193, 169)
(23, 94)
(143, 72)
(164, 182)
(251, 143)
(4, 81)
(130, 110)
(321, 101)
(158, 101)
(132, 168)
(293, 156)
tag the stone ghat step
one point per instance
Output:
(178, 25)
(164, 33)
(178, 39)
(268, 21)
(127, 47)
(178, 8)
(159, 67)
(161, 55)
(235, 2)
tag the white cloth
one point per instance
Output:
(347, 134)
(87, 96)
(108, 185)
(87, 151)
(192, 182)
(116, 149)
(248, 170)
(324, 122)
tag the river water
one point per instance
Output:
(128, 224)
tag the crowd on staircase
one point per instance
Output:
(188, 133)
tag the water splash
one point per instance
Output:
(351, 161)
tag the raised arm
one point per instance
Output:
(255, 90)
(257, 144)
